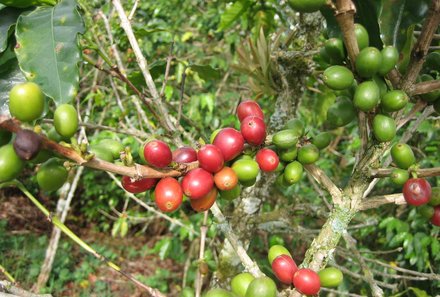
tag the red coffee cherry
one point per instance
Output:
(138, 186)
(267, 159)
(435, 220)
(210, 158)
(168, 194)
(284, 267)
(230, 142)
(306, 281)
(226, 179)
(185, 154)
(197, 183)
(158, 153)
(417, 191)
(205, 202)
(249, 108)
(253, 130)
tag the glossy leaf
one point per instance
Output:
(395, 18)
(8, 18)
(406, 50)
(124, 227)
(419, 292)
(116, 227)
(10, 75)
(332, 26)
(233, 13)
(366, 15)
(206, 72)
(49, 53)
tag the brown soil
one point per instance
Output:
(23, 218)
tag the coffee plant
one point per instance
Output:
(304, 131)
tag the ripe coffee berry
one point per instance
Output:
(210, 158)
(138, 186)
(284, 267)
(253, 130)
(435, 220)
(185, 154)
(205, 202)
(230, 142)
(417, 191)
(197, 183)
(267, 159)
(249, 108)
(306, 281)
(168, 194)
(226, 179)
(158, 153)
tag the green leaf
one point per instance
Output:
(366, 14)
(206, 72)
(233, 13)
(398, 239)
(8, 18)
(124, 227)
(165, 248)
(395, 18)
(418, 292)
(10, 74)
(207, 100)
(48, 51)
(141, 32)
(116, 227)
(406, 50)
(385, 222)
(156, 68)
(332, 26)
(435, 247)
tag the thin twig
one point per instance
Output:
(132, 132)
(423, 172)
(200, 275)
(421, 48)
(351, 243)
(340, 293)
(7, 274)
(377, 201)
(247, 262)
(355, 275)
(136, 171)
(167, 70)
(11, 290)
(425, 87)
(182, 92)
(325, 182)
(363, 132)
(150, 208)
(133, 10)
(165, 119)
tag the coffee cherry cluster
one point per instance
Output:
(295, 150)
(367, 89)
(246, 285)
(416, 191)
(222, 169)
(306, 281)
(26, 103)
